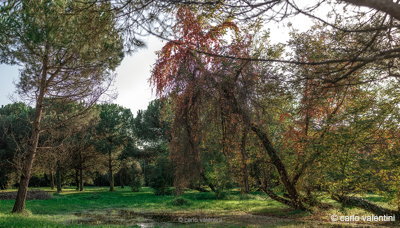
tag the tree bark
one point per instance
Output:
(110, 172)
(364, 204)
(19, 204)
(269, 149)
(245, 172)
(81, 178)
(275, 159)
(386, 6)
(52, 184)
(121, 177)
(80, 171)
(58, 177)
(77, 179)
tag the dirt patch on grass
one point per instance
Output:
(199, 219)
(186, 219)
(32, 195)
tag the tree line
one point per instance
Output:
(106, 146)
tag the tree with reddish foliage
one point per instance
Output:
(193, 80)
(181, 73)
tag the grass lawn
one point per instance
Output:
(100, 207)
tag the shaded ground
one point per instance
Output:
(32, 195)
(190, 219)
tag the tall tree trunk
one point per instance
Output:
(110, 172)
(52, 184)
(19, 204)
(80, 178)
(121, 177)
(80, 171)
(58, 177)
(77, 179)
(245, 171)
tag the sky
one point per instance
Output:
(132, 85)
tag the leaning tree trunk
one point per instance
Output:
(210, 185)
(364, 204)
(290, 187)
(19, 204)
(277, 162)
(110, 172)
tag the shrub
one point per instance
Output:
(220, 194)
(135, 177)
(179, 201)
(161, 176)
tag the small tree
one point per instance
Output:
(136, 177)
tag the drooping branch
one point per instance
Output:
(386, 6)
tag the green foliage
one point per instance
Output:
(114, 127)
(161, 176)
(85, 45)
(136, 177)
(217, 171)
(149, 125)
(15, 129)
(114, 134)
(180, 201)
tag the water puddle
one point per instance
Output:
(159, 219)
(141, 219)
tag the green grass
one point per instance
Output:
(70, 201)
(58, 211)
(63, 209)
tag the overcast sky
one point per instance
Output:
(132, 84)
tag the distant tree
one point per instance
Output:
(152, 130)
(15, 129)
(114, 132)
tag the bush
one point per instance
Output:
(135, 177)
(220, 194)
(161, 176)
(179, 201)
(163, 191)
(136, 185)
